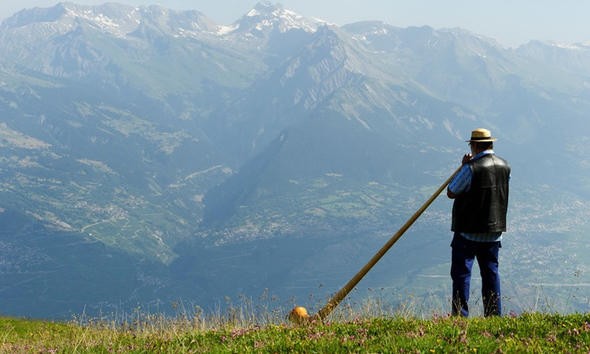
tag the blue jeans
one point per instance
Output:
(463, 254)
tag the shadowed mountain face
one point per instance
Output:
(151, 156)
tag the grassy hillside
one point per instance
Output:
(527, 333)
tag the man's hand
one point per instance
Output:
(466, 158)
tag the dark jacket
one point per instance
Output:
(483, 208)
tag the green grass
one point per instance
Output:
(527, 333)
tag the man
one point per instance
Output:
(480, 193)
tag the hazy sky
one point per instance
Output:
(511, 22)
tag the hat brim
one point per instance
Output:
(486, 140)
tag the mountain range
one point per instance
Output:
(151, 156)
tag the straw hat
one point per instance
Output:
(481, 135)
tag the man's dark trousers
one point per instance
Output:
(463, 254)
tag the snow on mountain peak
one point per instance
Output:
(113, 18)
(267, 17)
(121, 20)
(569, 46)
(253, 13)
(101, 20)
(116, 19)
